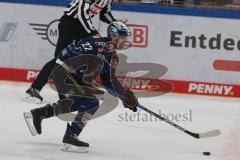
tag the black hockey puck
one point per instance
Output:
(206, 153)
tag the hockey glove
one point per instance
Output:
(130, 101)
(133, 108)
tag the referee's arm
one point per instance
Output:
(85, 18)
(106, 14)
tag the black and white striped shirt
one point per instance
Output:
(84, 10)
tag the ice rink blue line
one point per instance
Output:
(144, 8)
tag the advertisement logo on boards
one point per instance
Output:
(47, 31)
(31, 75)
(50, 32)
(204, 41)
(214, 89)
(140, 35)
(7, 30)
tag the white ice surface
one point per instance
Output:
(112, 139)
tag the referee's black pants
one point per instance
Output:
(69, 30)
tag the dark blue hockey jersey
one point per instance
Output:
(95, 47)
(99, 47)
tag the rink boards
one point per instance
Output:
(195, 50)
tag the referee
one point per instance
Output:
(75, 24)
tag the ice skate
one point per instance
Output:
(32, 96)
(34, 119)
(71, 143)
(29, 121)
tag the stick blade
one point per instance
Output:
(212, 133)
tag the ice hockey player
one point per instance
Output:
(75, 24)
(119, 37)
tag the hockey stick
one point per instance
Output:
(208, 134)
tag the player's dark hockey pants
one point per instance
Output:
(69, 30)
(85, 106)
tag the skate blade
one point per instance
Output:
(28, 120)
(29, 99)
(72, 148)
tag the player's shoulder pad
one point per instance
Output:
(85, 40)
(101, 42)
(88, 44)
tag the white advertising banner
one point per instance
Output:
(171, 47)
(32, 42)
(189, 47)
